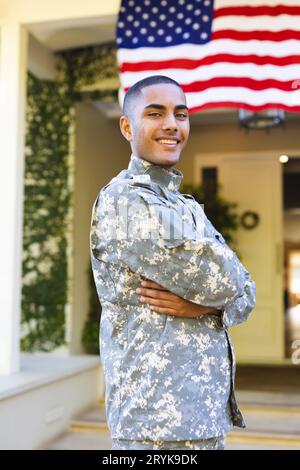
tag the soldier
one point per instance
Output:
(169, 287)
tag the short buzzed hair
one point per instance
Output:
(136, 89)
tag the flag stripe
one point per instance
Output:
(257, 23)
(262, 35)
(256, 72)
(190, 64)
(238, 97)
(240, 94)
(273, 10)
(249, 107)
(194, 52)
(237, 81)
(230, 3)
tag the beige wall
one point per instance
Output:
(30, 11)
(229, 137)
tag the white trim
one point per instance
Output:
(254, 155)
(13, 75)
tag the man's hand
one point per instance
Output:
(163, 301)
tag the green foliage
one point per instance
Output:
(92, 68)
(221, 213)
(46, 204)
(90, 335)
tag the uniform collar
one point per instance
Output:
(169, 179)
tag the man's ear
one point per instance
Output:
(125, 127)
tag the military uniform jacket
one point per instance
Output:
(166, 377)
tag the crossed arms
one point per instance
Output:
(197, 275)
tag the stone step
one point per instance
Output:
(272, 419)
(268, 399)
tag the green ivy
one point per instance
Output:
(46, 205)
(91, 66)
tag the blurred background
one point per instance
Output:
(60, 82)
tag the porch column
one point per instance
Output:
(13, 69)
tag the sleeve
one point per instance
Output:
(239, 310)
(127, 229)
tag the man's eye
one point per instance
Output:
(182, 115)
(154, 114)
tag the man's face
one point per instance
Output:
(158, 127)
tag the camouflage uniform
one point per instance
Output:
(167, 378)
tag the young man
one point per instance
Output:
(169, 287)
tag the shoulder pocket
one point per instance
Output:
(152, 198)
(188, 196)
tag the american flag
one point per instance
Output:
(224, 53)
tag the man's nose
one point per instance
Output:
(170, 123)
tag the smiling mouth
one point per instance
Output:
(168, 142)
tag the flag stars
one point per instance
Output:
(152, 23)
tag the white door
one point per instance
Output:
(254, 182)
